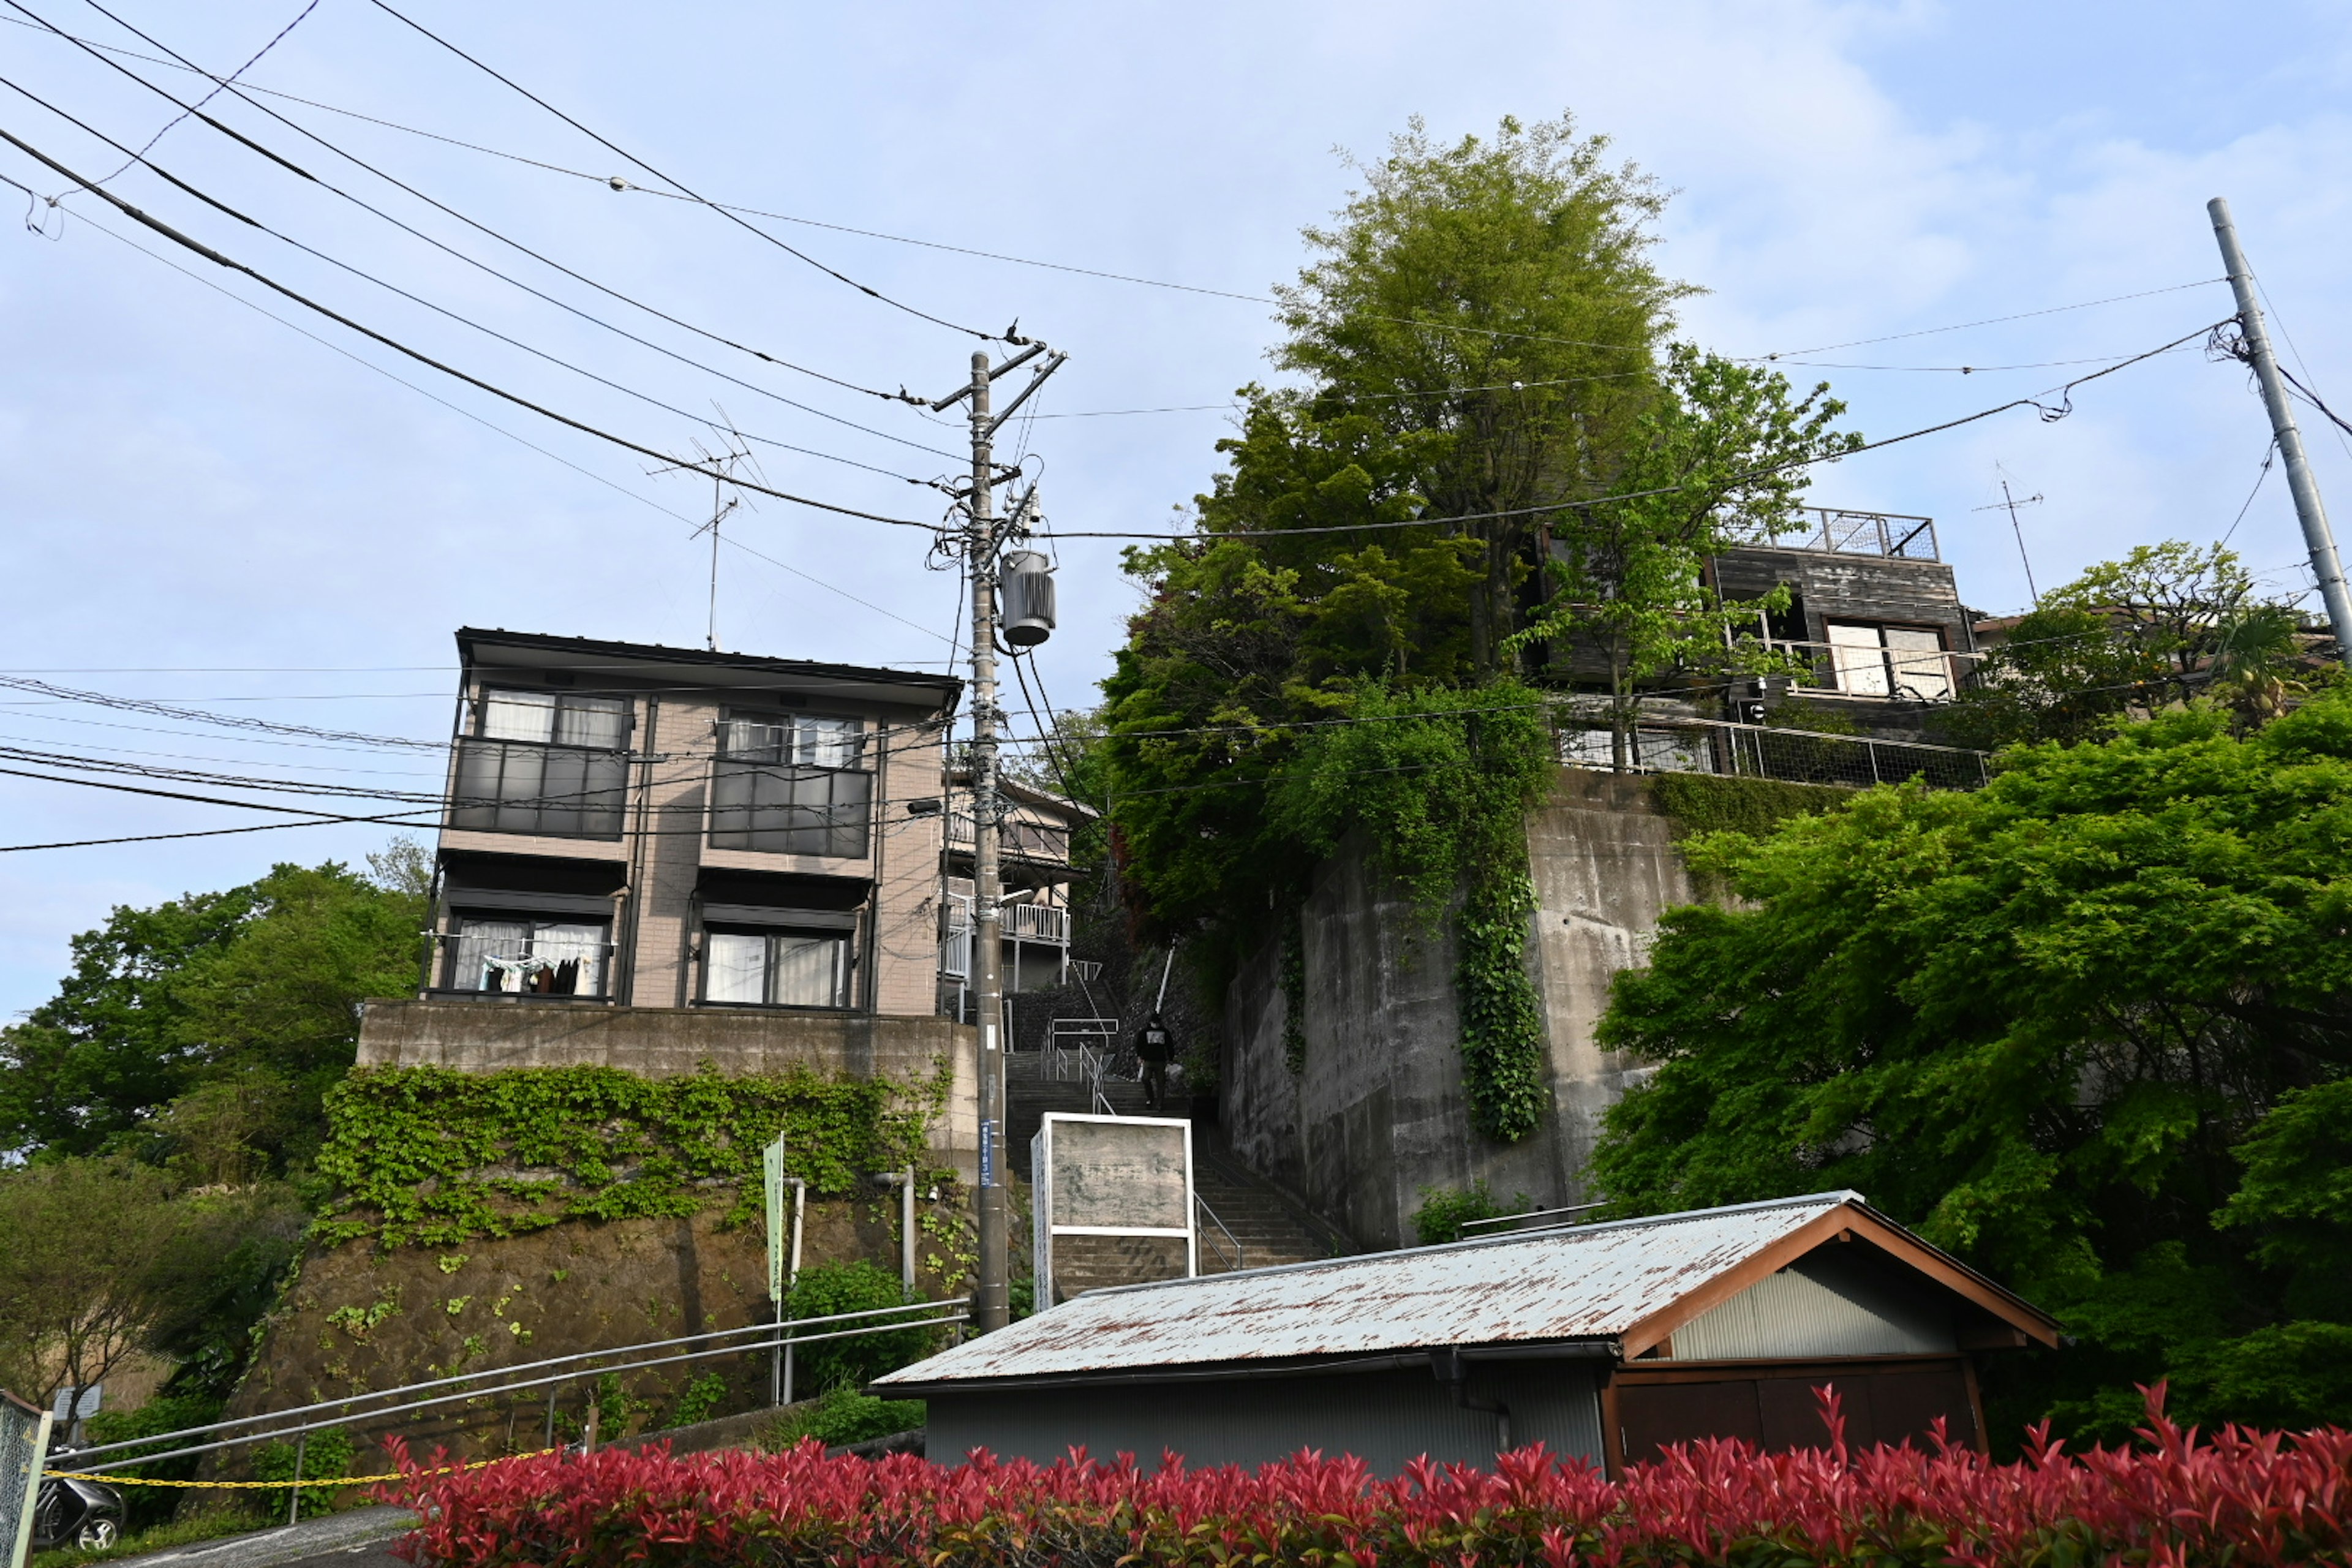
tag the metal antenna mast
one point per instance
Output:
(2011, 503)
(2316, 536)
(983, 537)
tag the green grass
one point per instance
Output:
(209, 1525)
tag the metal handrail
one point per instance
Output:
(780, 1342)
(1201, 1204)
(1469, 1225)
(350, 1400)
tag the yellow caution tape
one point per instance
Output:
(322, 1481)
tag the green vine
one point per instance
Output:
(1440, 788)
(1293, 995)
(429, 1157)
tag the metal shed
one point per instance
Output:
(1605, 1341)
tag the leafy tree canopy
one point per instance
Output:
(1481, 336)
(205, 1029)
(2089, 1028)
(2166, 623)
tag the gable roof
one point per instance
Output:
(1621, 1287)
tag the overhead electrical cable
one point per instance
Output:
(500, 429)
(202, 716)
(461, 320)
(2049, 414)
(612, 182)
(683, 188)
(221, 86)
(511, 242)
(209, 254)
(1987, 321)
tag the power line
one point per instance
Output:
(2049, 414)
(176, 237)
(141, 155)
(413, 298)
(613, 183)
(682, 187)
(501, 237)
(1986, 321)
(487, 425)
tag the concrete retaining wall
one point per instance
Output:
(665, 1042)
(1378, 1113)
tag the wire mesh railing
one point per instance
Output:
(1757, 751)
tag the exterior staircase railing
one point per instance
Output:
(1231, 1260)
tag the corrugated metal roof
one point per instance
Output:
(1588, 1282)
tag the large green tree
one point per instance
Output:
(2090, 1028)
(206, 1028)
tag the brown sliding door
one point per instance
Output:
(1772, 1404)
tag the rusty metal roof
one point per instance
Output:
(1585, 1282)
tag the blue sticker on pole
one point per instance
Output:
(988, 1154)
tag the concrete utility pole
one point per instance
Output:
(994, 1307)
(2316, 536)
(991, 1300)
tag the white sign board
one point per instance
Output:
(1110, 1176)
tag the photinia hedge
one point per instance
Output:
(2239, 1497)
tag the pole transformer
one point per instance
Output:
(2316, 536)
(983, 538)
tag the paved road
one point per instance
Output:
(357, 1539)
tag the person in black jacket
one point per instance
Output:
(1154, 1047)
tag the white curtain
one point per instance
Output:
(808, 972)
(735, 967)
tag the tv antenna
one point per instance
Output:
(720, 468)
(2008, 503)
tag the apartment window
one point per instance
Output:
(807, 740)
(792, 785)
(545, 762)
(555, 718)
(519, 954)
(776, 968)
(1890, 661)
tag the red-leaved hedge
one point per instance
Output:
(2239, 1497)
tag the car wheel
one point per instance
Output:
(97, 1535)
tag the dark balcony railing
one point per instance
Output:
(780, 809)
(1022, 840)
(524, 786)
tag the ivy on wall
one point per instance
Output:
(1440, 787)
(429, 1157)
(1720, 802)
(1293, 995)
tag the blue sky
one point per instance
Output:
(205, 506)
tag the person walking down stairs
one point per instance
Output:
(1154, 1048)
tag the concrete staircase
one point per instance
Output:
(1252, 1217)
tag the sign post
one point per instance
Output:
(771, 1167)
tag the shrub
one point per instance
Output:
(853, 1287)
(2241, 1497)
(323, 1454)
(1443, 1211)
(148, 1506)
(843, 1415)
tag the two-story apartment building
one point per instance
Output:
(670, 827)
(655, 858)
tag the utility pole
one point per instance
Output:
(991, 1300)
(2316, 536)
(993, 1308)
